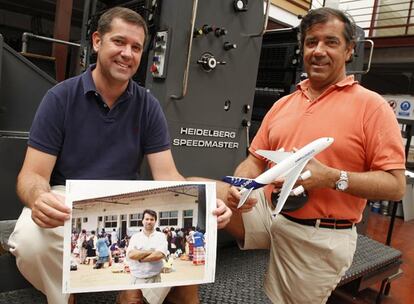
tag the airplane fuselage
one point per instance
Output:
(284, 167)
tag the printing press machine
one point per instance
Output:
(373, 262)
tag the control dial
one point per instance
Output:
(208, 62)
(204, 30)
(207, 28)
(229, 46)
(240, 5)
(220, 32)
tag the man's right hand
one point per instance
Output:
(49, 210)
(233, 198)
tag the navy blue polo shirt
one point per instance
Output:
(92, 141)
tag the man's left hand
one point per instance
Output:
(223, 214)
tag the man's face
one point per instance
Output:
(119, 50)
(148, 222)
(325, 53)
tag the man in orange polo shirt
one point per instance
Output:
(309, 253)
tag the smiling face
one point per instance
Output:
(119, 51)
(325, 53)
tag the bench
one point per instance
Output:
(373, 262)
(10, 277)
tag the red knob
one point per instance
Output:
(154, 68)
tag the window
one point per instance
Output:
(111, 221)
(76, 224)
(188, 213)
(135, 220)
(85, 219)
(168, 218)
(187, 218)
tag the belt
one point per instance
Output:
(323, 223)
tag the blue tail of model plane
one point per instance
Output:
(236, 181)
(247, 183)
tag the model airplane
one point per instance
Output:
(289, 165)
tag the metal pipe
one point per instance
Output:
(363, 72)
(1, 61)
(14, 134)
(373, 18)
(266, 19)
(190, 45)
(377, 6)
(26, 35)
(371, 51)
(93, 9)
(385, 19)
(85, 17)
(281, 30)
(388, 27)
(409, 17)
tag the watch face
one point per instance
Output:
(342, 185)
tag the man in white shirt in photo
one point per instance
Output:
(146, 250)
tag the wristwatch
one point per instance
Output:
(342, 183)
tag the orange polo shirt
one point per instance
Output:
(366, 138)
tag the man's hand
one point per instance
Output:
(138, 255)
(278, 184)
(233, 198)
(49, 210)
(223, 214)
(320, 176)
(154, 256)
(374, 185)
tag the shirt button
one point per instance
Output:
(105, 105)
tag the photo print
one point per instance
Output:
(138, 234)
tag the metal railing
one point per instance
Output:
(379, 18)
(26, 36)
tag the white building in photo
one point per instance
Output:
(176, 206)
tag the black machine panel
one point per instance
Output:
(22, 86)
(201, 63)
(279, 60)
(207, 92)
(12, 152)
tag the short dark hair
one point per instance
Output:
(323, 15)
(150, 212)
(123, 13)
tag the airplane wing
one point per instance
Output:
(236, 181)
(287, 186)
(274, 156)
(245, 193)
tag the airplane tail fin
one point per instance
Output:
(236, 181)
(245, 193)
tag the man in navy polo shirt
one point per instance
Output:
(98, 125)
